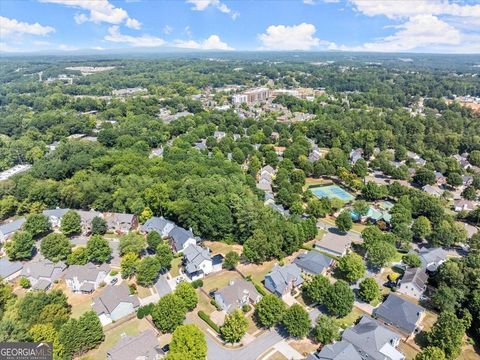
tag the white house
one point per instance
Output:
(197, 261)
(414, 282)
(236, 294)
(159, 224)
(85, 278)
(55, 216)
(180, 238)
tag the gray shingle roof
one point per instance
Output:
(88, 272)
(162, 286)
(281, 276)
(234, 292)
(194, 255)
(341, 350)
(313, 262)
(8, 268)
(111, 297)
(58, 213)
(415, 276)
(157, 224)
(400, 313)
(42, 268)
(12, 226)
(369, 337)
(144, 346)
(180, 236)
(432, 256)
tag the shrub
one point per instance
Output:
(246, 308)
(214, 303)
(202, 315)
(132, 288)
(197, 283)
(144, 310)
(260, 289)
(113, 273)
(25, 283)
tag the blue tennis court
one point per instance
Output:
(332, 191)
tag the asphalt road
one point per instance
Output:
(249, 352)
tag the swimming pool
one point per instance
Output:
(332, 191)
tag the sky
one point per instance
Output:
(431, 26)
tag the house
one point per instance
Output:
(463, 205)
(114, 303)
(283, 279)
(8, 229)
(86, 218)
(414, 282)
(238, 293)
(403, 315)
(315, 155)
(9, 270)
(219, 135)
(264, 185)
(42, 273)
(313, 262)
(432, 258)
(121, 223)
(267, 169)
(144, 346)
(197, 261)
(356, 155)
(440, 178)
(85, 278)
(201, 145)
(373, 341)
(180, 238)
(341, 350)
(467, 180)
(55, 216)
(433, 190)
(159, 224)
(335, 244)
(156, 152)
(162, 286)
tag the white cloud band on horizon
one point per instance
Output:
(115, 36)
(213, 42)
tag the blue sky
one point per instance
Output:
(445, 26)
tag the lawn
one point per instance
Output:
(350, 319)
(218, 247)
(219, 280)
(143, 292)
(132, 327)
(257, 272)
(252, 327)
(175, 270)
(204, 303)
(409, 351)
(81, 307)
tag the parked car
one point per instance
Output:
(114, 281)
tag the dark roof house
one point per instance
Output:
(282, 279)
(400, 313)
(313, 262)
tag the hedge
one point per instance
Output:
(260, 289)
(145, 310)
(202, 315)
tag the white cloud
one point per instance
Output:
(201, 5)
(284, 37)
(15, 27)
(114, 35)
(99, 11)
(133, 24)
(407, 8)
(211, 43)
(65, 47)
(421, 33)
(4, 47)
(167, 29)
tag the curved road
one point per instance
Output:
(249, 352)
